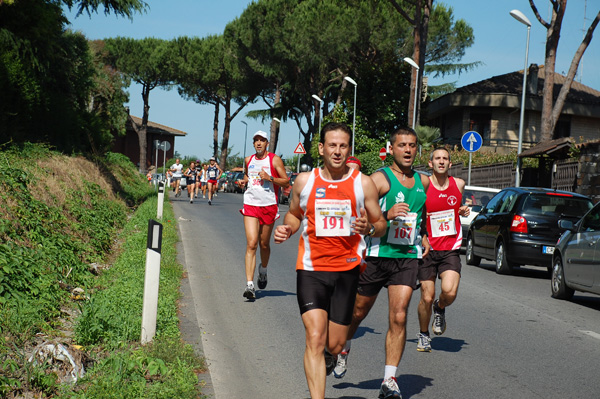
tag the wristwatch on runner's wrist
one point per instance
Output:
(371, 231)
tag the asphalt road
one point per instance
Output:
(506, 337)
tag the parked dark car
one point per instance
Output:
(236, 180)
(519, 226)
(576, 259)
(285, 193)
(231, 182)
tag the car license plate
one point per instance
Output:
(547, 250)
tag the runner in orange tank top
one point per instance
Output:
(332, 207)
(444, 198)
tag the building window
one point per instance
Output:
(562, 128)
(482, 124)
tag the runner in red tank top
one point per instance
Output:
(323, 205)
(444, 198)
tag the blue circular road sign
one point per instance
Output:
(471, 141)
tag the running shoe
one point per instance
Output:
(439, 319)
(192, 200)
(342, 365)
(423, 342)
(249, 293)
(330, 362)
(389, 389)
(209, 202)
(262, 279)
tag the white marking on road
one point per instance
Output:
(591, 334)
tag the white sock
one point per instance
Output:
(347, 346)
(250, 283)
(390, 371)
(262, 270)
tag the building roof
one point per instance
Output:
(156, 128)
(588, 144)
(547, 147)
(504, 91)
(512, 83)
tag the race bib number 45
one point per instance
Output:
(442, 223)
(332, 217)
(403, 230)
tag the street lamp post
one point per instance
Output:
(245, 139)
(414, 65)
(349, 79)
(519, 16)
(320, 109)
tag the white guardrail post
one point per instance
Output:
(161, 200)
(151, 280)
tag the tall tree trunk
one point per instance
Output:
(225, 142)
(274, 124)
(420, 22)
(552, 110)
(564, 90)
(552, 38)
(142, 136)
(216, 130)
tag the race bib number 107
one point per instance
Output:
(403, 230)
(332, 217)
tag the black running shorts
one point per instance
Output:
(438, 262)
(383, 272)
(333, 292)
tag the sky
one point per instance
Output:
(500, 44)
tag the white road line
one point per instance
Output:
(591, 334)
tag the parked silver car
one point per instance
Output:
(576, 259)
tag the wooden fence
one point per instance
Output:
(493, 176)
(564, 175)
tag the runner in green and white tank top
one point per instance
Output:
(403, 236)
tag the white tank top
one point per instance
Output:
(261, 192)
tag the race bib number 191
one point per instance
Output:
(332, 217)
(403, 230)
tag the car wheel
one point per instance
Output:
(502, 265)
(472, 259)
(560, 290)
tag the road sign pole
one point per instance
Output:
(469, 175)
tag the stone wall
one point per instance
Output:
(588, 174)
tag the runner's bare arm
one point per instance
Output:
(282, 180)
(371, 216)
(463, 210)
(293, 218)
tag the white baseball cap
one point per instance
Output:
(261, 134)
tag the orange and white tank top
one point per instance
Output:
(261, 192)
(329, 207)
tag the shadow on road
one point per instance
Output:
(592, 302)
(444, 344)
(536, 272)
(364, 330)
(272, 293)
(410, 385)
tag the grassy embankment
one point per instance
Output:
(72, 258)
